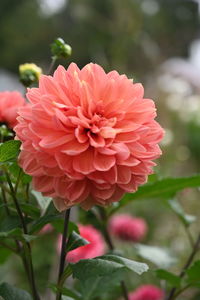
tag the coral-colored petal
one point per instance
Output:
(103, 162)
(74, 148)
(83, 163)
(123, 174)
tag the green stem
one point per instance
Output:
(8, 247)
(63, 253)
(5, 200)
(27, 192)
(53, 61)
(16, 203)
(27, 246)
(172, 293)
(190, 238)
(19, 249)
(110, 244)
(181, 291)
(18, 180)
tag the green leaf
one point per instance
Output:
(9, 292)
(76, 241)
(4, 254)
(159, 256)
(193, 273)
(38, 224)
(161, 188)
(55, 219)
(17, 234)
(129, 264)
(172, 279)
(9, 150)
(99, 275)
(105, 265)
(14, 169)
(30, 209)
(58, 224)
(177, 208)
(66, 292)
(41, 200)
(101, 286)
(9, 222)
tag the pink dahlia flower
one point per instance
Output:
(127, 227)
(87, 137)
(147, 292)
(96, 246)
(9, 105)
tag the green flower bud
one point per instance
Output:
(29, 73)
(60, 49)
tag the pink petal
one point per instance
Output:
(83, 163)
(123, 174)
(108, 132)
(43, 183)
(74, 148)
(122, 151)
(55, 140)
(103, 162)
(96, 140)
(103, 194)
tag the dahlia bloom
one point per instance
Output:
(147, 292)
(87, 137)
(96, 246)
(9, 105)
(127, 227)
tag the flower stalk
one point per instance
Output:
(51, 67)
(63, 252)
(26, 256)
(173, 293)
(111, 245)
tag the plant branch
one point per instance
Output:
(63, 251)
(190, 238)
(172, 293)
(27, 247)
(8, 247)
(110, 244)
(5, 200)
(18, 180)
(53, 61)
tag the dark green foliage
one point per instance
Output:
(9, 150)
(9, 292)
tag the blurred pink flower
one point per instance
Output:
(88, 137)
(147, 292)
(46, 229)
(94, 249)
(9, 105)
(127, 227)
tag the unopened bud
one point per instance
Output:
(29, 73)
(60, 49)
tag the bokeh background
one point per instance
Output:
(156, 42)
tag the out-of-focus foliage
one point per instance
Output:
(153, 42)
(131, 35)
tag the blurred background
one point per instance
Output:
(156, 42)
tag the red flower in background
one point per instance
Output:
(127, 227)
(88, 137)
(147, 292)
(9, 105)
(96, 246)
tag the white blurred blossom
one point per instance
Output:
(168, 137)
